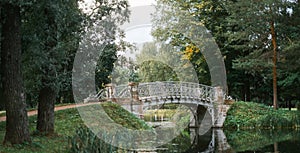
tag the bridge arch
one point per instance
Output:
(200, 98)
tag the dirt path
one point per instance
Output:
(57, 108)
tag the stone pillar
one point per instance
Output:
(135, 99)
(134, 90)
(110, 89)
(219, 95)
(220, 108)
(218, 104)
(222, 144)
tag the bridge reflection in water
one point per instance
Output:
(213, 140)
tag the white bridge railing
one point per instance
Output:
(159, 93)
(164, 90)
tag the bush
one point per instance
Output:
(248, 115)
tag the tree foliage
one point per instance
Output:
(242, 30)
(156, 64)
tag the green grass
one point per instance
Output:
(123, 117)
(248, 115)
(66, 123)
(149, 115)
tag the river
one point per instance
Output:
(251, 141)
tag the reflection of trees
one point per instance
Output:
(179, 144)
(254, 140)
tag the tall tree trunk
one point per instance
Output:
(1, 90)
(17, 131)
(274, 43)
(45, 122)
(47, 95)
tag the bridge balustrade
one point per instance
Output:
(162, 90)
(157, 93)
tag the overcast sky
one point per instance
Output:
(138, 31)
(141, 33)
(134, 3)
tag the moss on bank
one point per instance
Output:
(249, 115)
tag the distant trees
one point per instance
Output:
(156, 63)
(256, 39)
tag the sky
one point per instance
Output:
(138, 31)
(134, 3)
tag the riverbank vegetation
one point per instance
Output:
(70, 130)
(249, 115)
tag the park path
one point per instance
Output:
(57, 108)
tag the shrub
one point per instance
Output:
(248, 115)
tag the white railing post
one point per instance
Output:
(110, 89)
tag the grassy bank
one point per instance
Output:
(67, 123)
(248, 115)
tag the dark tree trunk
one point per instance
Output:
(274, 43)
(17, 131)
(246, 91)
(47, 95)
(45, 122)
(1, 90)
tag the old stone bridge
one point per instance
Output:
(201, 99)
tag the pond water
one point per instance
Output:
(217, 140)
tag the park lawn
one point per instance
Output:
(66, 123)
(249, 115)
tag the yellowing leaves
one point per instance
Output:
(189, 51)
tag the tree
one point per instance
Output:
(17, 130)
(289, 63)
(157, 63)
(259, 21)
(242, 30)
(48, 48)
(177, 23)
(1, 90)
(99, 47)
